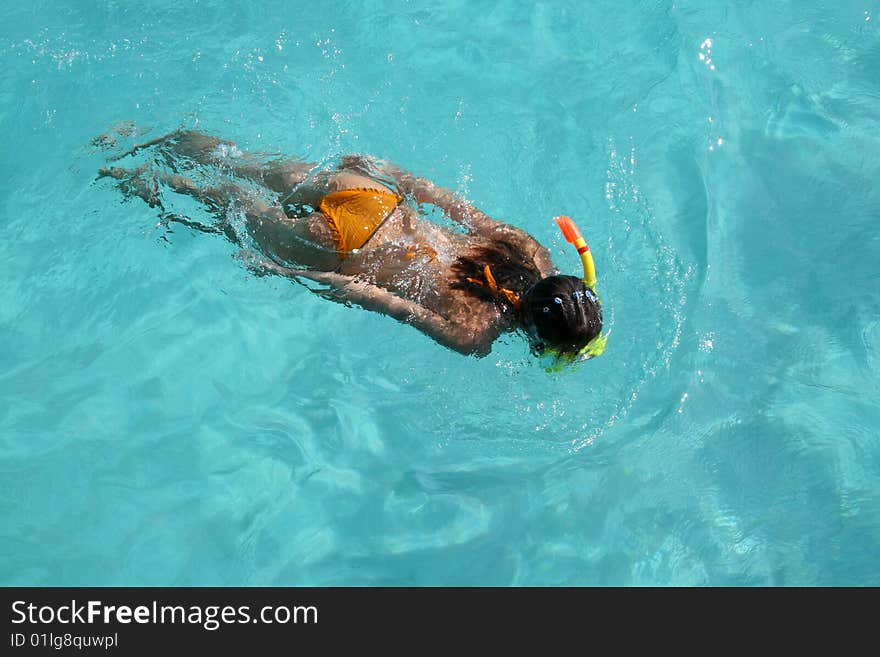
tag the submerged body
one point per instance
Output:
(357, 229)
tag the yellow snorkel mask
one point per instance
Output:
(596, 346)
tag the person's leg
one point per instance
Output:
(280, 175)
(306, 241)
(144, 182)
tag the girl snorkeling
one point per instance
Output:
(357, 231)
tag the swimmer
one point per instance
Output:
(357, 231)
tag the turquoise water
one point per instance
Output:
(168, 418)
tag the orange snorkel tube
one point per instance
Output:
(573, 235)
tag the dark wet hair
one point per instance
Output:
(508, 266)
(563, 312)
(560, 312)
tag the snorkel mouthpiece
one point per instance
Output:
(573, 235)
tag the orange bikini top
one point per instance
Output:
(496, 290)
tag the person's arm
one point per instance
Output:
(371, 297)
(424, 191)
(455, 207)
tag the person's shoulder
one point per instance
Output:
(529, 247)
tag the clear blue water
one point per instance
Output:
(168, 418)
